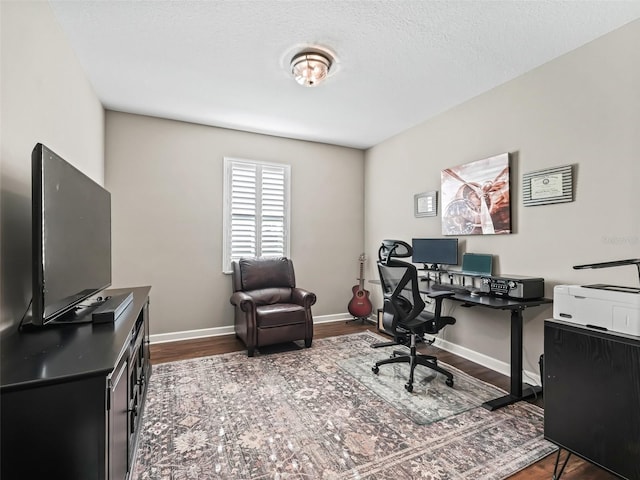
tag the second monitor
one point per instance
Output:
(477, 264)
(434, 252)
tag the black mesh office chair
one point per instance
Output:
(404, 313)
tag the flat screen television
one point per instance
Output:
(71, 238)
(434, 252)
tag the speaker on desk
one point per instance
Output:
(485, 284)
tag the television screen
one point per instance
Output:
(71, 216)
(435, 251)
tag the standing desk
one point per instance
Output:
(518, 391)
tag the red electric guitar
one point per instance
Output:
(360, 305)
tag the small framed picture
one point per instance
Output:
(425, 204)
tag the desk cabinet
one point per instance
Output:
(592, 395)
(72, 397)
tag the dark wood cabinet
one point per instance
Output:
(592, 395)
(72, 397)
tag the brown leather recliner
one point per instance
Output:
(269, 309)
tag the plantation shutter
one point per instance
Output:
(256, 217)
(272, 223)
(244, 192)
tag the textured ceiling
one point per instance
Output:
(225, 63)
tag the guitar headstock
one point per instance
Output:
(362, 258)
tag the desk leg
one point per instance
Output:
(516, 352)
(517, 392)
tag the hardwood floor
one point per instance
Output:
(576, 469)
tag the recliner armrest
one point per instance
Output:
(244, 301)
(303, 297)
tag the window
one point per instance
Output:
(256, 210)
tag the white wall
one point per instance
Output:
(582, 109)
(46, 98)
(166, 180)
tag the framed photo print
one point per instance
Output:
(476, 197)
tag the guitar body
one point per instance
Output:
(360, 305)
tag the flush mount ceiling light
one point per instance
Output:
(311, 68)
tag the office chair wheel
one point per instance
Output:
(375, 369)
(449, 382)
(409, 387)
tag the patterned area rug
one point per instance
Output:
(299, 415)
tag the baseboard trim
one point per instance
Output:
(228, 330)
(486, 361)
(479, 358)
(190, 334)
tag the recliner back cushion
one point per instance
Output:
(259, 273)
(269, 296)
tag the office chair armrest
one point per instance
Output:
(244, 301)
(441, 294)
(303, 297)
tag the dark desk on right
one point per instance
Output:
(518, 391)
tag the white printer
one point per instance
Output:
(609, 307)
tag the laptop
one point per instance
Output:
(477, 264)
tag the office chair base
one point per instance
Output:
(384, 344)
(413, 360)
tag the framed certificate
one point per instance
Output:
(551, 185)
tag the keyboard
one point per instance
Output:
(452, 288)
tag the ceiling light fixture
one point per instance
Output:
(311, 68)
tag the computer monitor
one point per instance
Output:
(477, 263)
(434, 252)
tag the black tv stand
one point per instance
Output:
(72, 398)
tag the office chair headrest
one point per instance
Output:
(394, 249)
